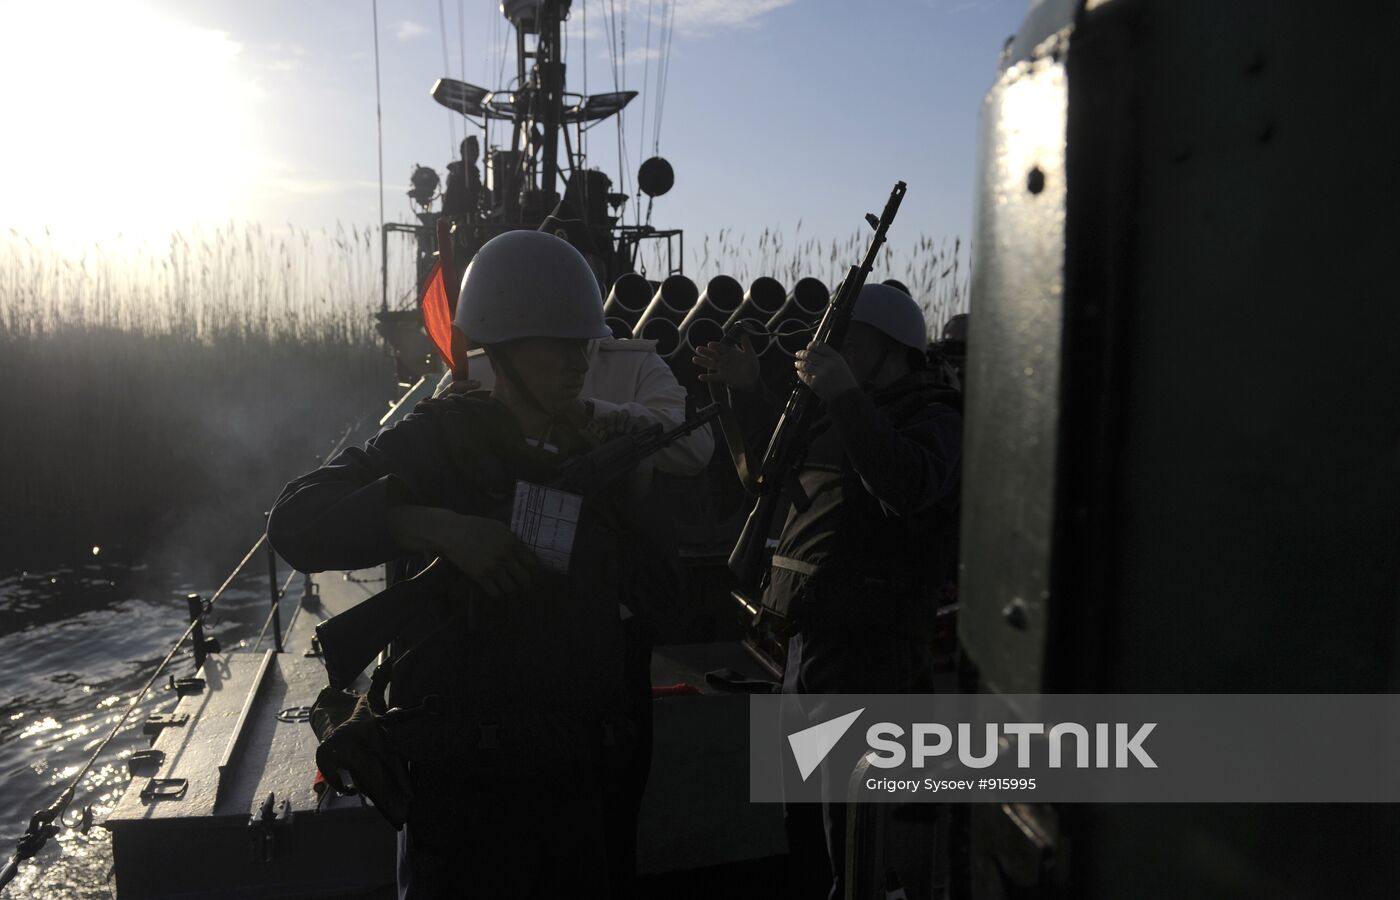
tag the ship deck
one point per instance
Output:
(227, 807)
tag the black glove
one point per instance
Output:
(358, 747)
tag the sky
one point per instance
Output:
(146, 116)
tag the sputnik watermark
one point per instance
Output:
(811, 745)
(932, 740)
(1170, 748)
(890, 753)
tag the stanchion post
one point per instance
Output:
(276, 595)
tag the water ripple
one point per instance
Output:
(78, 641)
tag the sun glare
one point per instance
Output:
(120, 119)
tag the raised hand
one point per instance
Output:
(736, 367)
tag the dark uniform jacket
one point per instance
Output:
(872, 531)
(533, 678)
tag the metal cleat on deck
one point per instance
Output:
(156, 723)
(145, 762)
(270, 818)
(185, 686)
(165, 789)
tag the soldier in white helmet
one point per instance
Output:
(626, 380)
(627, 386)
(515, 718)
(864, 554)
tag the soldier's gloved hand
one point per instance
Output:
(736, 367)
(465, 386)
(359, 746)
(486, 552)
(824, 371)
(450, 385)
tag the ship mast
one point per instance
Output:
(523, 185)
(544, 96)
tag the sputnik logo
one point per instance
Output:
(811, 745)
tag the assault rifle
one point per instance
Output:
(591, 471)
(351, 640)
(746, 562)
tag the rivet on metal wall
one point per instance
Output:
(1015, 614)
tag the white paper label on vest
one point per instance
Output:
(546, 520)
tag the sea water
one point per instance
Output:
(76, 644)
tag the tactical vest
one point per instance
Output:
(842, 560)
(530, 682)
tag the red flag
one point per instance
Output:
(437, 313)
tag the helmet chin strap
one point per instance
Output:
(502, 359)
(868, 383)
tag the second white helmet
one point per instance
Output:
(529, 284)
(893, 312)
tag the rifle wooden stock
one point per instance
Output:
(746, 562)
(351, 640)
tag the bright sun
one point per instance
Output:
(120, 119)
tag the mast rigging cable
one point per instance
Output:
(646, 71)
(447, 67)
(462, 56)
(379, 120)
(663, 73)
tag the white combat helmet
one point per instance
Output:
(529, 284)
(893, 312)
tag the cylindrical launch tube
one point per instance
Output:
(627, 299)
(664, 332)
(807, 300)
(672, 301)
(721, 297)
(764, 297)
